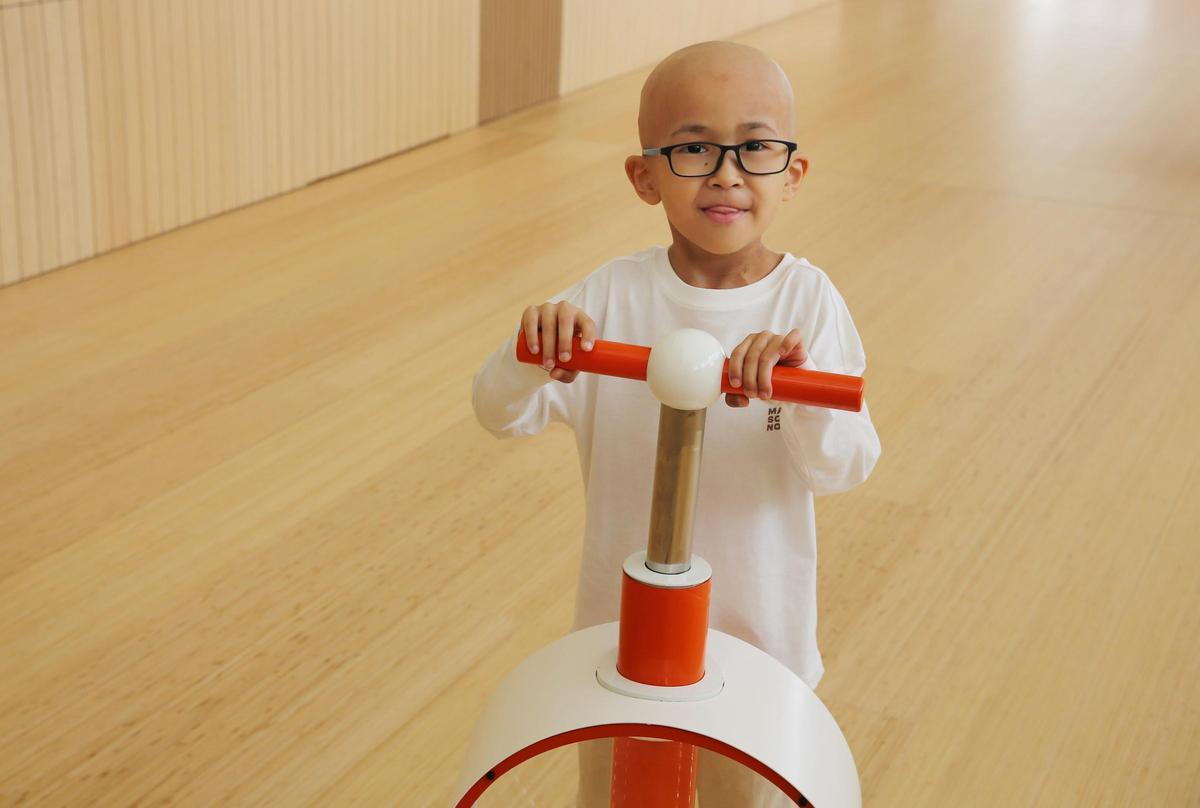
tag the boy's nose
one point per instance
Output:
(728, 173)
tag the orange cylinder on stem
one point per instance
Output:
(662, 633)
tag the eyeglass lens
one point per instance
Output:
(756, 156)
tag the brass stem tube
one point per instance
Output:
(676, 480)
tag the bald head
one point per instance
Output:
(711, 86)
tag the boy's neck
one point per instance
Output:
(697, 267)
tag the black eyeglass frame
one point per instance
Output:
(665, 151)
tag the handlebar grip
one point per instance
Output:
(813, 387)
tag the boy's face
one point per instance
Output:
(721, 94)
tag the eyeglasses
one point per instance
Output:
(703, 159)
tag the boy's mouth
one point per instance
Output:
(722, 214)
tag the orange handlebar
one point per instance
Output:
(813, 387)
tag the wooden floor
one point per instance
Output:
(255, 550)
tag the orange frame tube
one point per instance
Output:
(813, 387)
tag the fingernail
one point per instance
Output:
(534, 348)
(564, 356)
(548, 364)
(735, 382)
(587, 345)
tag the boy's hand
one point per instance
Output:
(557, 324)
(751, 363)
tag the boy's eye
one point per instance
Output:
(695, 148)
(753, 145)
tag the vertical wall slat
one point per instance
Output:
(46, 212)
(465, 111)
(255, 160)
(10, 226)
(134, 131)
(308, 92)
(269, 94)
(336, 66)
(379, 64)
(57, 140)
(119, 177)
(348, 59)
(163, 75)
(365, 81)
(80, 143)
(147, 123)
(238, 158)
(391, 75)
(351, 124)
(23, 142)
(197, 110)
(97, 125)
(299, 53)
(421, 76)
(363, 84)
(283, 99)
(404, 123)
(179, 52)
(328, 108)
(211, 177)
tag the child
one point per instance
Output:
(763, 461)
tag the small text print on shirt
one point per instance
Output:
(773, 419)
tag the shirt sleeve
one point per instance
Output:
(832, 450)
(512, 399)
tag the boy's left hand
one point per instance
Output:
(751, 363)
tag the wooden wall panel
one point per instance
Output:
(519, 54)
(601, 40)
(126, 118)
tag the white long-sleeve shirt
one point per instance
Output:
(761, 465)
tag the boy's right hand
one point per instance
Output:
(557, 324)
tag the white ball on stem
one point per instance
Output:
(685, 369)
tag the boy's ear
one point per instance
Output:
(641, 179)
(795, 173)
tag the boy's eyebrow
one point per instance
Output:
(700, 129)
(692, 128)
